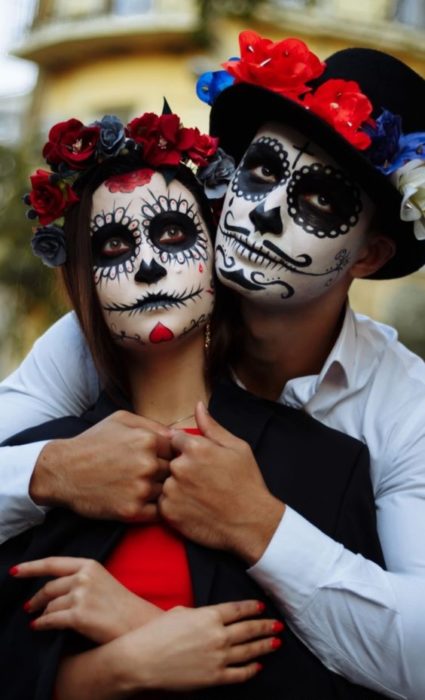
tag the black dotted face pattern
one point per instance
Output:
(323, 201)
(264, 167)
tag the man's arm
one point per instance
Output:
(361, 621)
(56, 379)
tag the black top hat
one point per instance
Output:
(240, 110)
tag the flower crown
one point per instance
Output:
(287, 67)
(161, 142)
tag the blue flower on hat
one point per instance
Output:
(385, 135)
(211, 83)
(391, 149)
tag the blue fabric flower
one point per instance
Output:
(211, 83)
(385, 137)
(49, 244)
(411, 147)
(111, 136)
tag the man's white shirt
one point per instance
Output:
(361, 621)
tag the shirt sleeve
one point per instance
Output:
(56, 379)
(359, 620)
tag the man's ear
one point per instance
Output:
(373, 256)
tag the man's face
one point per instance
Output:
(152, 257)
(292, 222)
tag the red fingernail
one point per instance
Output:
(26, 606)
(277, 626)
(32, 624)
(259, 667)
(275, 643)
(261, 606)
(13, 570)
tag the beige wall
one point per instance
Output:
(134, 83)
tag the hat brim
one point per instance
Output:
(239, 112)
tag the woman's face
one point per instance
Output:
(293, 222)
(153, 259)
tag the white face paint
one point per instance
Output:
(153, 259)
(292, 223)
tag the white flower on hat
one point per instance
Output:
(410, 182)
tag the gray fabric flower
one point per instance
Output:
(111, 136)
(215, 176)
(48, 243)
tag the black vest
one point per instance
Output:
(321, 473)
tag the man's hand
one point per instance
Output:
(84, 597)
(216, 494)
(114, 470)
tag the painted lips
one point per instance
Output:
(155, 302)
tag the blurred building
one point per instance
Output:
(121, 56)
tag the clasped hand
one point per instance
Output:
(129, 468)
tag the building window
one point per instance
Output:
(131, 7)
(410, 12)
(63, 9)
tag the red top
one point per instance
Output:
(151, 561)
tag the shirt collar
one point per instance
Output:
(340, 361)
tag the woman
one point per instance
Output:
(139, 273)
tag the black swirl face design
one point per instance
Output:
(152, 261)
(174, 229)
(289, 206)
(264, 167)
(116, 243)
(323, 201)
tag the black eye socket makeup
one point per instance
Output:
(323, 201)
(115, 240)
(264, 167)
(112, 244)
(174, 229)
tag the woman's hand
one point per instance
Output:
(186, 648)
(182, 650)
(84, 597)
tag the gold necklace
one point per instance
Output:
(180, 420)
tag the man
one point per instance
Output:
(296, 229)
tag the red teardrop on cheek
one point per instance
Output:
(161, 334)
(200, 268)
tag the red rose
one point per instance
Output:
(141, 128)
(164, 140)
(72, 143)
(282, 66)
(48, 200)
(342, 104)
(204, 147)
(158, 135)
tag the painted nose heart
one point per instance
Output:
(150, 272)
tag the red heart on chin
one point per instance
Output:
(161, 334)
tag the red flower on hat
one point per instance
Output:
(72, 143)
(282, 66)
(49, 200)
(342, 104)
